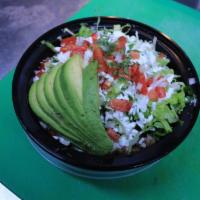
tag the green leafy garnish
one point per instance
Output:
(84, 31)
(115, 90)
(49, 45)
(162, 61)
(107, 46)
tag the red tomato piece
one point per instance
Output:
(42, 65)
(64, 49)
(39, 73)
(161, 55)
(161, 91)
(98, 54)
(105, 85)
(86, 43)
(159, 77)
(67, 41)
(126, 76)
(149, 81)
(72, 47)
(134, 71)
(103, 67)
(120, 105)
(122, 74)
(153, 95)
(135, 54)
(113, 135)
(120, 43)
(111, 70)
(111, 57)
(69, 47)
(141, 78)
(94, 37)
(144, 90)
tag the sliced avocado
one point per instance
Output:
(63, 99)
(70, 95)
(67, 99)
(33, 101)
(60, 98)
(102, 143)
(54, 114)
(40, 113)
(71, 82)
(73, 116)
(54, 106)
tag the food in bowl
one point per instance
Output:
(106, 91)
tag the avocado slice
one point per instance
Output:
(63, 99)
(54, 114)
(40, 113)
(70, 94)
(35, 106)
(91, 106)
(49, 81)
(71, 83)
(66, 98)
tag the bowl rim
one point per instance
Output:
(155, 156)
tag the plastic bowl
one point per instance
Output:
(81, 163)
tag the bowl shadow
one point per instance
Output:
(141, 182)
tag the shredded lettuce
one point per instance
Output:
(166, 72)
(119, 85)
(177, 101)
(162, 61)
(118, 27)
(166, 114)
(49, 45)
(84, 31)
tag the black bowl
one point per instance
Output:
(82, 163)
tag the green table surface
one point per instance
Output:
(177, 176)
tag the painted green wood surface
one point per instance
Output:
(176, 177)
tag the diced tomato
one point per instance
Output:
(126, 76)
(66, 48)
(111, 70)
(86, 43)
(161, 91)
(74, 49)
(39, 73)
(123, 56)
(94, 37)
(133, 70)
(135, 54)
(42, 65)
(67, 41)
(63, 49)
(159, 77)
(144, 90)
(138, 77)
(122, 74)
(105, 85)
(120, 43)
(149, 81)
(141, 78)
(98, 54)
(161, 55)
(113, 135)
(103, 67)
(111, 57)
(120, 105)
(153, 95)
